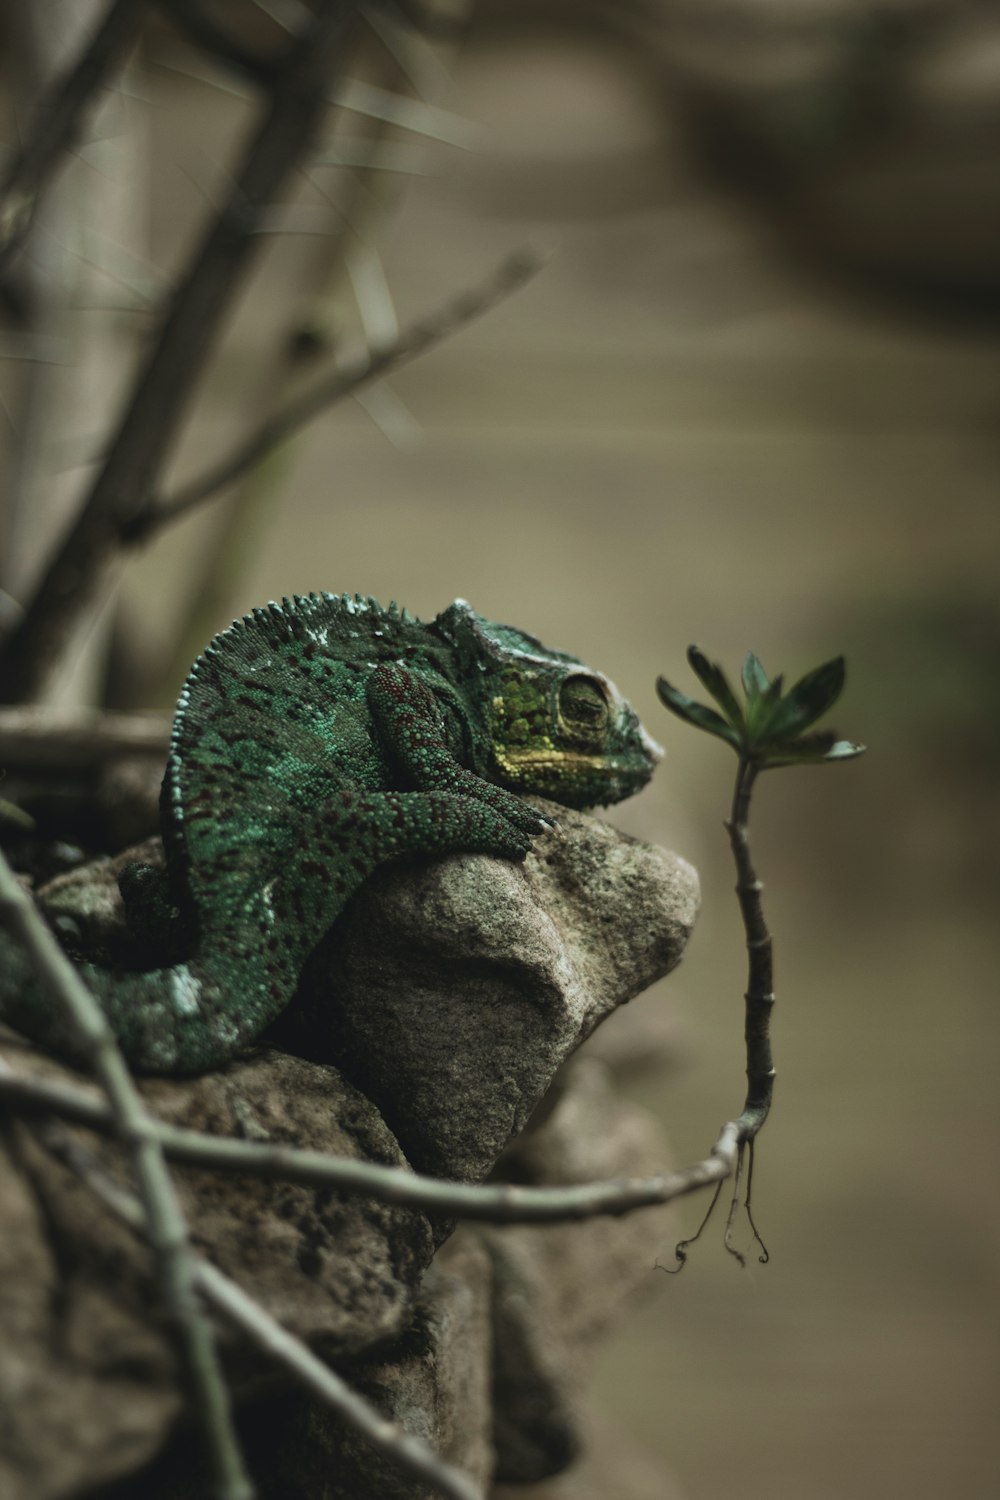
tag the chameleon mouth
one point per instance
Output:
(512, 760)
(516, 763)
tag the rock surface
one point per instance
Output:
(451, 991)
(86, 1368)
(443, 1005)
(558, 1291)
(435, 1384)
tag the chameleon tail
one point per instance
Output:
(173, 1021)
(196, 1015)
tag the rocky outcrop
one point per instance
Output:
(452, 990)
(435, 1018)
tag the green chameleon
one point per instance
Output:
(313, 740)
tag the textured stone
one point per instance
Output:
(86, 1369)
(435, 1384)
(559, 1290)
(450, 991)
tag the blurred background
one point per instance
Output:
(751, 401)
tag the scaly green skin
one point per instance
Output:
(314, 740)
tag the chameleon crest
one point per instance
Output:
(314, 740)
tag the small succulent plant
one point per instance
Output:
(769, 728)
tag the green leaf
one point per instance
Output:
(755, 679)
(694, 713)
(811, 750)
(845, 750)
(717, 683)
(808, 700)
(803, 751)
(761, 710)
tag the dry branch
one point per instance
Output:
(160, 1210)
(352, 375)
(58, 122)
(408, 1452)
(495, 1204)
(290, 118)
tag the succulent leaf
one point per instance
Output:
(715, 680)
(698, 714)
(807, 700)
(755, 679)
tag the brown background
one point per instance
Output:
(688, 429)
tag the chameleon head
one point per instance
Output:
(553, 726)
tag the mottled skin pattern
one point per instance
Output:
(314, 740)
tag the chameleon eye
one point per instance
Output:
(584, 708)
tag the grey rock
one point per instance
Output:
(450, 991)
(87, 1372)
(432, 1021)
(558, 1292)
(87, 902)
(435, 1384)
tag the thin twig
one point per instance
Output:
(161, 1210)
(682, 1246)
(242, 521)
(496, 1204)
(371, 365)
(408, 1452)
(58, 122)
(205, 32)
(403, 1448)
(288, 124)
(734, 1204)
(765, 1254)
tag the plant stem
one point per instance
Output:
(759, 993)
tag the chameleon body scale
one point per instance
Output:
(314, 740)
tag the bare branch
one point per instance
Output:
(499, 1204)
(79, 736)
(58, 122)
(161, 1211)
(416, 339)
(290, 119)
(208, 34)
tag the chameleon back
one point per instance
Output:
(271, 722)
